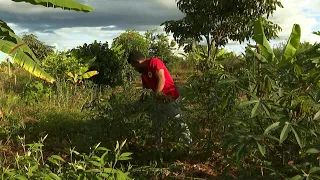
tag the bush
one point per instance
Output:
(113, 69)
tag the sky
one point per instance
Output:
(69, 29)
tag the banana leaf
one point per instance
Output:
(261, 40)
(64, 4)
(292, 46)
(23, 60)
(7, 34)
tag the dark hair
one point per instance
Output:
(135, 56)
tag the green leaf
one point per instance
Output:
(266, 109)
(262, 148)
(313, 151)
(122, 176)
(314, 169)
(297, 177)
(54, 176)
(317, 116)
(284, 132)
(254, 111)
(57, 157)
(8, 34)
(316, 33)
(262, 41)
(227, 81)
(89, 74)
(124, 156)
(292, 46)
(102, 149)
(104, 158)
(240, 152)
(20, 177)
(64, 4)
(272, 127)
(297, 137)
(93, 170)
(246, 103)
(23, 60)
(95, 163)
(108, 170)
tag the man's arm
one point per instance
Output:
(160, 81)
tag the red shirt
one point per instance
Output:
(149, 78)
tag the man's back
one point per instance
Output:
(149, 78)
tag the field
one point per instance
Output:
(75, 114)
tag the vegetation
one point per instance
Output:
(218, 21)
(254, 116)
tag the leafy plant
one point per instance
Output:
(113, 69)
(40, 49)
(20, 52)
(32, 164)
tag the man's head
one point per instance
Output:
(136, 60)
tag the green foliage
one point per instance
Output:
(100, 163)
(21, 54)
(39, 49)
(267, 113)
(113, 69)
(160, 46)
(16, 48)
(220, 21)
(132, 40)
(35, 91)
(60, 63)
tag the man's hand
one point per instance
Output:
(142, 97)
(161, 97)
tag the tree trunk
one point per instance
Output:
(215, 53)
(209, 45)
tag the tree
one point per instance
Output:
(219, 21)
(131, 40)
(39, 49)
(112, 68)
(160, 46)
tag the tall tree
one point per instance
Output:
(218, 21)
(40, 49)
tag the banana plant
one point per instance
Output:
(20, 53)
(82, 73)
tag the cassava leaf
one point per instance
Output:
(297, 137)
(284, 132)
(254, 111)
(272, 127)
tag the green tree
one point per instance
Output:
(59, 64)
(160, 46)
(131, 40)
(219, 21)
(40, 49)
(113, 69)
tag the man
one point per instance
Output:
(156, 76)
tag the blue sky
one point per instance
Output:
(67, 29)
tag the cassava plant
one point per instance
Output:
(280, 131)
